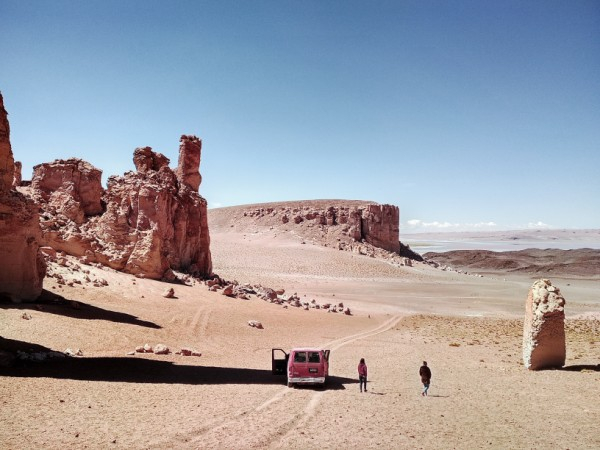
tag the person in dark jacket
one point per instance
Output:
(425, 373)
(362, 374)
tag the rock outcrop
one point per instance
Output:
(147, 223)
(544, 343)
(22, 267)
(17, 179)
(344, 225)
(71, 188)
(188, 166)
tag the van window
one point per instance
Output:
(313, 357)
(300, 357)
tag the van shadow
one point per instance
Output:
(143, 370)
(52, 303)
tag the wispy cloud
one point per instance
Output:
(417, 225)
(538, 225)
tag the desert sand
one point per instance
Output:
(468, 328)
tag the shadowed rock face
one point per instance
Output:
(544, 327)
(22, 267)
(146, 222)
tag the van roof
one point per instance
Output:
(306, 349)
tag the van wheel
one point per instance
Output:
(290, 384)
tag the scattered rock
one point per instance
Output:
(161, 349)
(169, 293)
(255, 324)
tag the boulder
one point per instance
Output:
(161, 349)
(544, 344)
(169, 293)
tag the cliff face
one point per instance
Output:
(145, 223)
(22, 267)
(345, 224)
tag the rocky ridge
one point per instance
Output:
(362, 227)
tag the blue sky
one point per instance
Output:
(465, 114)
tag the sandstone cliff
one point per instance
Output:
(22, 267)
(146, 222)
(351, 225)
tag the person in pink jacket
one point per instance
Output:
(362, 374)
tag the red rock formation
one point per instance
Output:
(377, 225)
(22, 266)
(381, 226)
(151, 222)
(544, 344)
(69, 187)
(17, 176)
(188, 167)
(145, 160)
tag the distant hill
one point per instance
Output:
(543, 262)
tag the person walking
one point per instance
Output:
(362, 374)
(425, 373)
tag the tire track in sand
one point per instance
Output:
(216, 432)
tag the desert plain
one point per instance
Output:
(467, 325)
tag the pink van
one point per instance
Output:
(302, 365)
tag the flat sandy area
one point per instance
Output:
(468, 328)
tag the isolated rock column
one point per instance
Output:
(544, 344)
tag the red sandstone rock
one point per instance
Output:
(374, 224)
(188, 167)
(17, 178)
(544, 344)
(146, 223)
(71, 187)
(22, 266)
(145, 160)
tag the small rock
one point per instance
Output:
(169, 293)
(255, 324)
(161, 349)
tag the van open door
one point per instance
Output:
(279, 361)
(326, 354)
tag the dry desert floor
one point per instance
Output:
(468, 328)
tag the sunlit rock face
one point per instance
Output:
(544, 327)
(22, 267)
(146, 222)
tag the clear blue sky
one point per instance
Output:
(459, 112)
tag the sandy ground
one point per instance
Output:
(468, 328)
